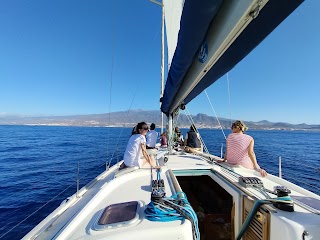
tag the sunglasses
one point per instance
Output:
(145, 128)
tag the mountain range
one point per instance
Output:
(130, 118)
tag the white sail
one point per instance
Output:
(172, 11)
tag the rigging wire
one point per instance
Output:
(117, 144)
(201, 139)
(215, 114)
(109, 121)
(35, 211)
(45, 203)
(192, 122)
(134, 96)
(228, 83)
(111, 73)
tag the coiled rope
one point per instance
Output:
(171, 209)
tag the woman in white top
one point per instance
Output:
(136, 153)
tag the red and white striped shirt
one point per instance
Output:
(237, 150)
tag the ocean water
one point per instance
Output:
(39, 164)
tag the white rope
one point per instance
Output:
(215, 114)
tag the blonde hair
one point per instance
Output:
(240, 125)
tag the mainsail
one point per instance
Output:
(173, 10)
(246, 24)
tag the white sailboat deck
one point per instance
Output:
(77, 218)
(133, 186)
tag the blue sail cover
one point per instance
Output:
(195, 20)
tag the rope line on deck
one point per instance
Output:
(171, 209)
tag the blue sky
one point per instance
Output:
(83, 57)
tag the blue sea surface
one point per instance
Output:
(39, 164)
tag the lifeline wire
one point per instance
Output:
(35, 211)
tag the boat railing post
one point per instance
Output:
(221, 151)
(78, 180)
(107, 165)
(280, 169)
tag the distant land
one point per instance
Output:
(129, 119)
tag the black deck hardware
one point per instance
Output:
(283, 191)
(250, 182)
(158, 189)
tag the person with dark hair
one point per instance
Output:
(239, 148)
(178, 137)
(152, 137)
(136, 152)
(134, 130)
(163, 139)
(192, 141)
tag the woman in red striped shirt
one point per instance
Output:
(239, 149)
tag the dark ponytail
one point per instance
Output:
(136, 129)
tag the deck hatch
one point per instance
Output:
(118, 215)
(120, 212)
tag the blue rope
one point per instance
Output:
(164, 211)
(155, 213)
(158, 174)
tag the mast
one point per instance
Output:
(162, 63)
